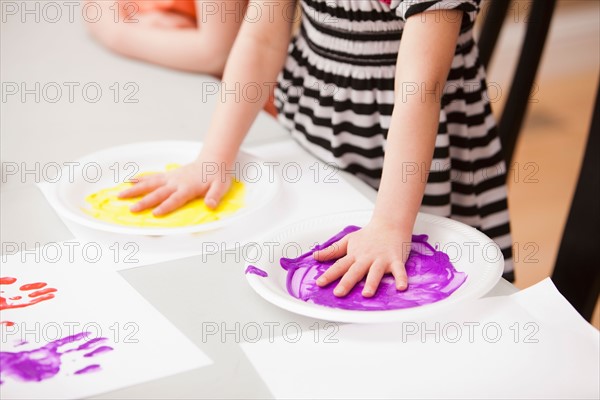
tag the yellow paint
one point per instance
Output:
(107, 206)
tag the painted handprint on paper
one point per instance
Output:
(34, 293)
(45, 362)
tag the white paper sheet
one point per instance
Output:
(529, 345)
(89, 298)
(318, 190)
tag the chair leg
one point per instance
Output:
(515, 107)
(577, 270)
(495, 14)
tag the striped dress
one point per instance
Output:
(336, 96)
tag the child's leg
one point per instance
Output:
(165, 20)
(201, 48)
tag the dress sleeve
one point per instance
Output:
(407, 8)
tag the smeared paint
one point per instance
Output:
(36, 297)
(45, 362)
(7, 323)
(32, 286)
(251, 269)
(99, 350)
(42, 292)
(431, 278)
(88, 369)
(105, 205)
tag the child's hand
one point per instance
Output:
(173, 189)
(375, 250)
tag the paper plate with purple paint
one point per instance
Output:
(449, 262)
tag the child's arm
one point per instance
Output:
(424, 59)
(203, 48)
(256, 59)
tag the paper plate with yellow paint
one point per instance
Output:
(88, 193)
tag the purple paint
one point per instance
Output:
(431, 278)
(88, 369)
(256, 271)
(45, 362)
(99, 350)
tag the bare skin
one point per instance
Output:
(171, 39)
(425, 56)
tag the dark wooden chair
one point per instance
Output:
(538, 24)
(577, 269)
(515, 108)
(576, 273)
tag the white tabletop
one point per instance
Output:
(171, 106)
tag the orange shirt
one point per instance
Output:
(185, 7)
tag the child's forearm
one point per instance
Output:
(256, 59)
(415, 119)
(409, 150)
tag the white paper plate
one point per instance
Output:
(110, 167)
(469, 250)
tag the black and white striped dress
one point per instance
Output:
(336, 96)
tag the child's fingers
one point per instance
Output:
(139, 178)
(399, 272)
(374, 276)
(336, 250)
(141, 187)
(177, 199)
(339, 268)
(152, 199)
(215, 193)
(356, 272)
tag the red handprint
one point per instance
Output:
(38, 292)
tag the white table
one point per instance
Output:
(189, 292)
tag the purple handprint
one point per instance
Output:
(45, 362)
